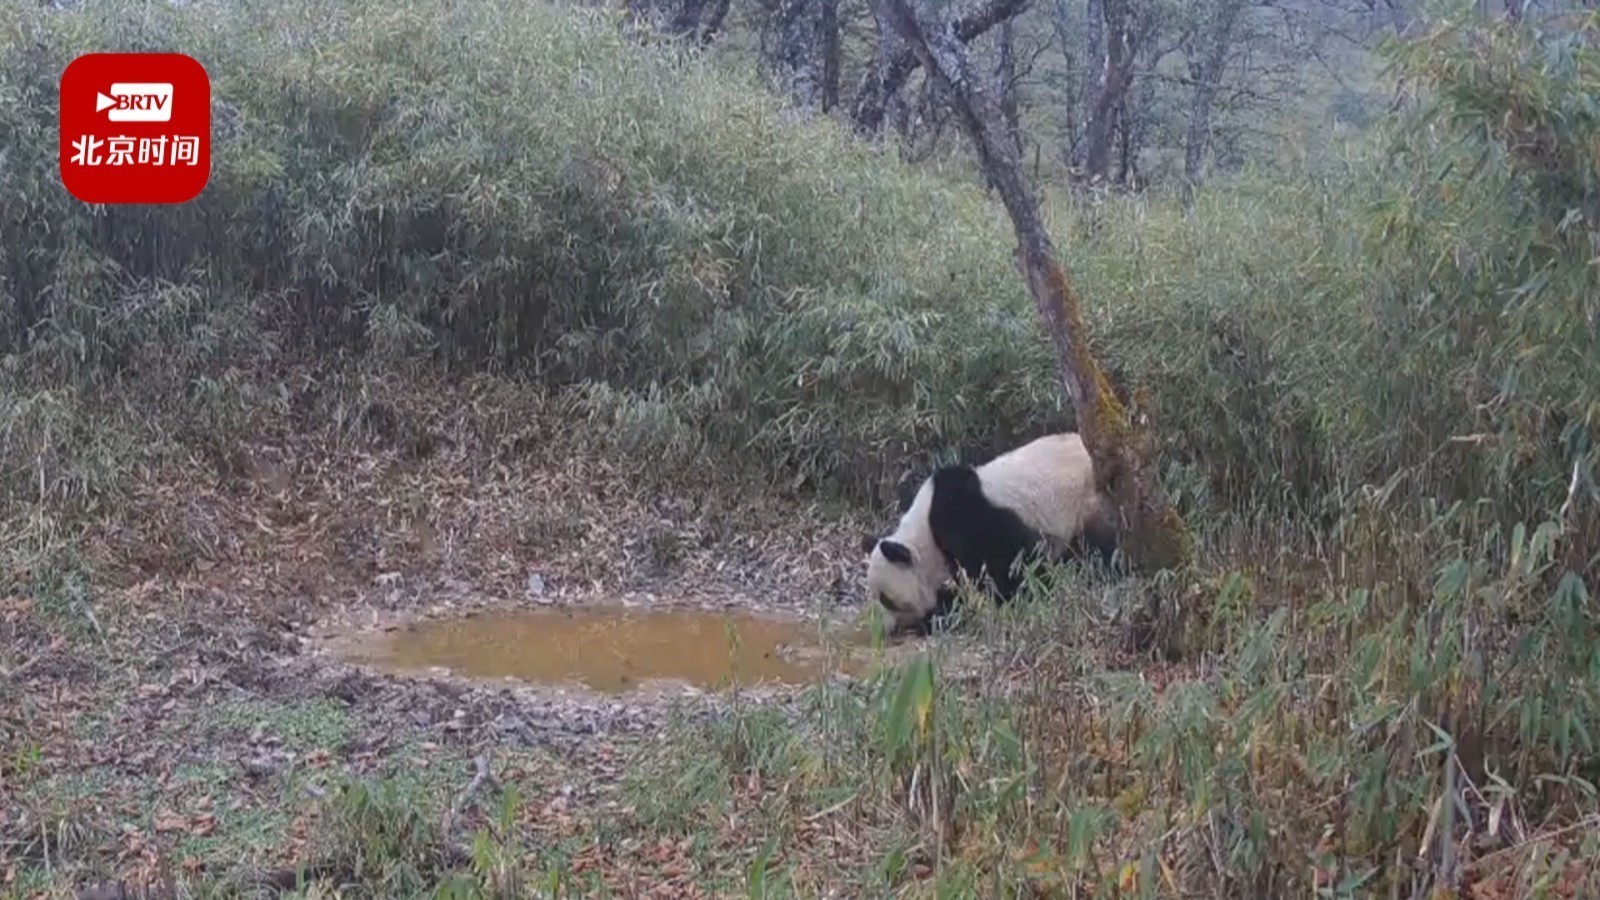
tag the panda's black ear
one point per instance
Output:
(868, 541)
(895, 552)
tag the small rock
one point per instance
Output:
(259, 767)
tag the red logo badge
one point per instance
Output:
(135, 128)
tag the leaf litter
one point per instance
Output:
(208, 591)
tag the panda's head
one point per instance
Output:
(896, 581)
(906, 570)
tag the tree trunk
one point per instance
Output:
(1005, 77)
(713, 23)
(872, 91)
(830, 54)
(796, 56)
(1125, 128)
(1141, 101)
(1094, 69)
(688, 19)
(1113, 77)
(1205, 71)
(1153, 535)
(895, 61)
(1199, 136)
(1061, 22)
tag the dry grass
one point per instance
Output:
(418, 341)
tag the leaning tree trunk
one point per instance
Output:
(1154, 535)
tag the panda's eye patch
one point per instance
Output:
(895, 552)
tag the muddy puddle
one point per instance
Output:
(619, 650)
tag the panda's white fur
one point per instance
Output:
(979, 516)
(906, 592)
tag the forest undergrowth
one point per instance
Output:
(1375, 379)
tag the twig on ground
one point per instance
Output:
(88, 613)
(1584, 823)
(481, 774)
(824, 813)
(10, 674)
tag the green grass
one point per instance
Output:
(300, 727)
(652, 234)
(695, 272)
(1374, 381)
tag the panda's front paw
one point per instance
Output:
(931, 624)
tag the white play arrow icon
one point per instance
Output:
(136, 101)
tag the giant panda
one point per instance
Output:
(978, 520)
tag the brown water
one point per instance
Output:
(617, 650)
